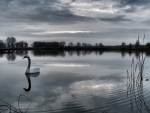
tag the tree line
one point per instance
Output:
(137, 44)
(11, 42)
(52, 44)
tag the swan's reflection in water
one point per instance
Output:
(29, 80)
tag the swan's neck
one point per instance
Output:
(29, 62)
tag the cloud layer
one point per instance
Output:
(28, 18)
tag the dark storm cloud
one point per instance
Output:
(53, 11)
(38, 2)
(39, 11)
(58, 16)
(134, 5)
(133, 2)
(115, 19)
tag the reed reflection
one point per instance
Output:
(7, 107)
(29, 80)
(135, 86)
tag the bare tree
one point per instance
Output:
(78, 44)
(123, 45)
(137, 43)
(13, 41)
(10, 41)
(130, 46)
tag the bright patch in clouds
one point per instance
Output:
(92, 9)
(62, 32)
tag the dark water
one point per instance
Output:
(75, 82)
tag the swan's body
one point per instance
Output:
(31, 70)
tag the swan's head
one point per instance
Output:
(26, 56)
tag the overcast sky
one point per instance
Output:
(90, 21)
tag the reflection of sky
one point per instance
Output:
(67, 65)
(82, 83)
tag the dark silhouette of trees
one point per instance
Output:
(10, 41)
(137, 43)
(96, 44)
(70, 44)
(101, 45)
(148, 44)
(2, 44)
(78, 44)
(123, 45)
(21, 44)
(84, 44)
(52, 44)
(62, 44)
(130, 46)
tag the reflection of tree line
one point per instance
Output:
(12, 56)
(54, 53)
(77, 52)
(135, 53)
(135, 86)
(63, 53)
(83, 52)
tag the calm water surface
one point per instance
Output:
(74, 83)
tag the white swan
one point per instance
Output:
(31, 70)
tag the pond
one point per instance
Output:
(75, 82)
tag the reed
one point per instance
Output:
(135, 80)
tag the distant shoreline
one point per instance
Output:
(120, 48)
